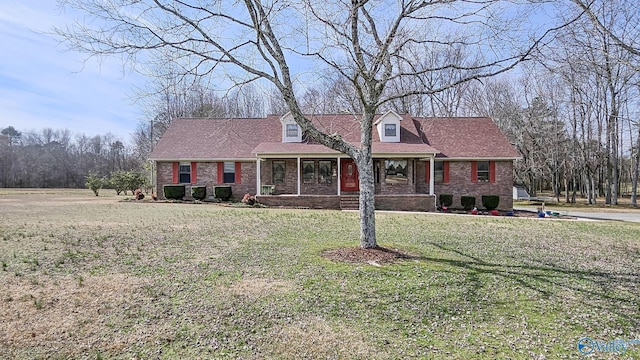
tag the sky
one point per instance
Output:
(44, 86)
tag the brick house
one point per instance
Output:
(415, 159)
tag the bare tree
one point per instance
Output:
(368, 44)
(616, 21)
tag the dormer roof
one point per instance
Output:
(291, 131)
(388, 126)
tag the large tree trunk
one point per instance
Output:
(636, 171)
(367, 203)
(364, 161)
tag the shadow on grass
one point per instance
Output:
(605, 292)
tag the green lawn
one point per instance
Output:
(92, 277)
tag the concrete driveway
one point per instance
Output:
(631, 216)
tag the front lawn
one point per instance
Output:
(87, 277)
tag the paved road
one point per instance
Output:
(632, 216)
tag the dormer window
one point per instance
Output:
(292, 130)
(388, 126)
(390, 130)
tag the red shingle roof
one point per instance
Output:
(236, 139)
(466, 138)
(206, 139)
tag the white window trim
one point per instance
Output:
(288, 120)
(180, 172)
(390, 118)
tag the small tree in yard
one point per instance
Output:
(368, 45)
(127, 181)
(134, 180)
(95, 183)
(118, 182)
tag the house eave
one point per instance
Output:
(203, 159)
(475, 158)
(341, 155)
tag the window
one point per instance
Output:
(278, 172)
(390, 130)
(308, 171)
(395, 171)
(292, 130)
(229, 174)
(438, 172)
(324, 172)
(184, 173)
(483, 171)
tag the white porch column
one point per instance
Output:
(299, 175)
(258, 181)
(431, 172)
(339, 175)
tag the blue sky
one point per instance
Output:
(42, 85)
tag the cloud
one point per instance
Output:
(43, 86)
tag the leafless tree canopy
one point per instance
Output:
(382, 51)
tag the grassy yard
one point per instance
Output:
(92, 277)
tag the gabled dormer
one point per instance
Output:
(388, 126)
(291, 131)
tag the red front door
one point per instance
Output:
(349, 175)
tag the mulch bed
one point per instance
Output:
(373, 256)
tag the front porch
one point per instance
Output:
(405, 202)
(317, 181)
(322, 175)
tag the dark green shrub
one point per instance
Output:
(222, 192)
(490, 202)
(468, 202)
(199, 192)
(174, 192)
(445, 199)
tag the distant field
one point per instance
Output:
(87, 277)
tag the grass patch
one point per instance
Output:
(122, 280)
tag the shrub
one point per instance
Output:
(118, 181)
(490, 202)
(199, 192)
(222, 192)
(446, 199)
(127, 180)
(175, 192)
(135, 180)
(95, 183)
(468, 202)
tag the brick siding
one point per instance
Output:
(459, 184)
(208, 177)
(383, 202)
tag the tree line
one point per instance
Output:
(59, 159)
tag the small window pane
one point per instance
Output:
(230, 167)
(229, 176)
(483, 171)
(438, 172)
(184, 173)
(308, 171)
(390, 130)
(324, 172)
(396, 171)
(278, 172)
(292, 130)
